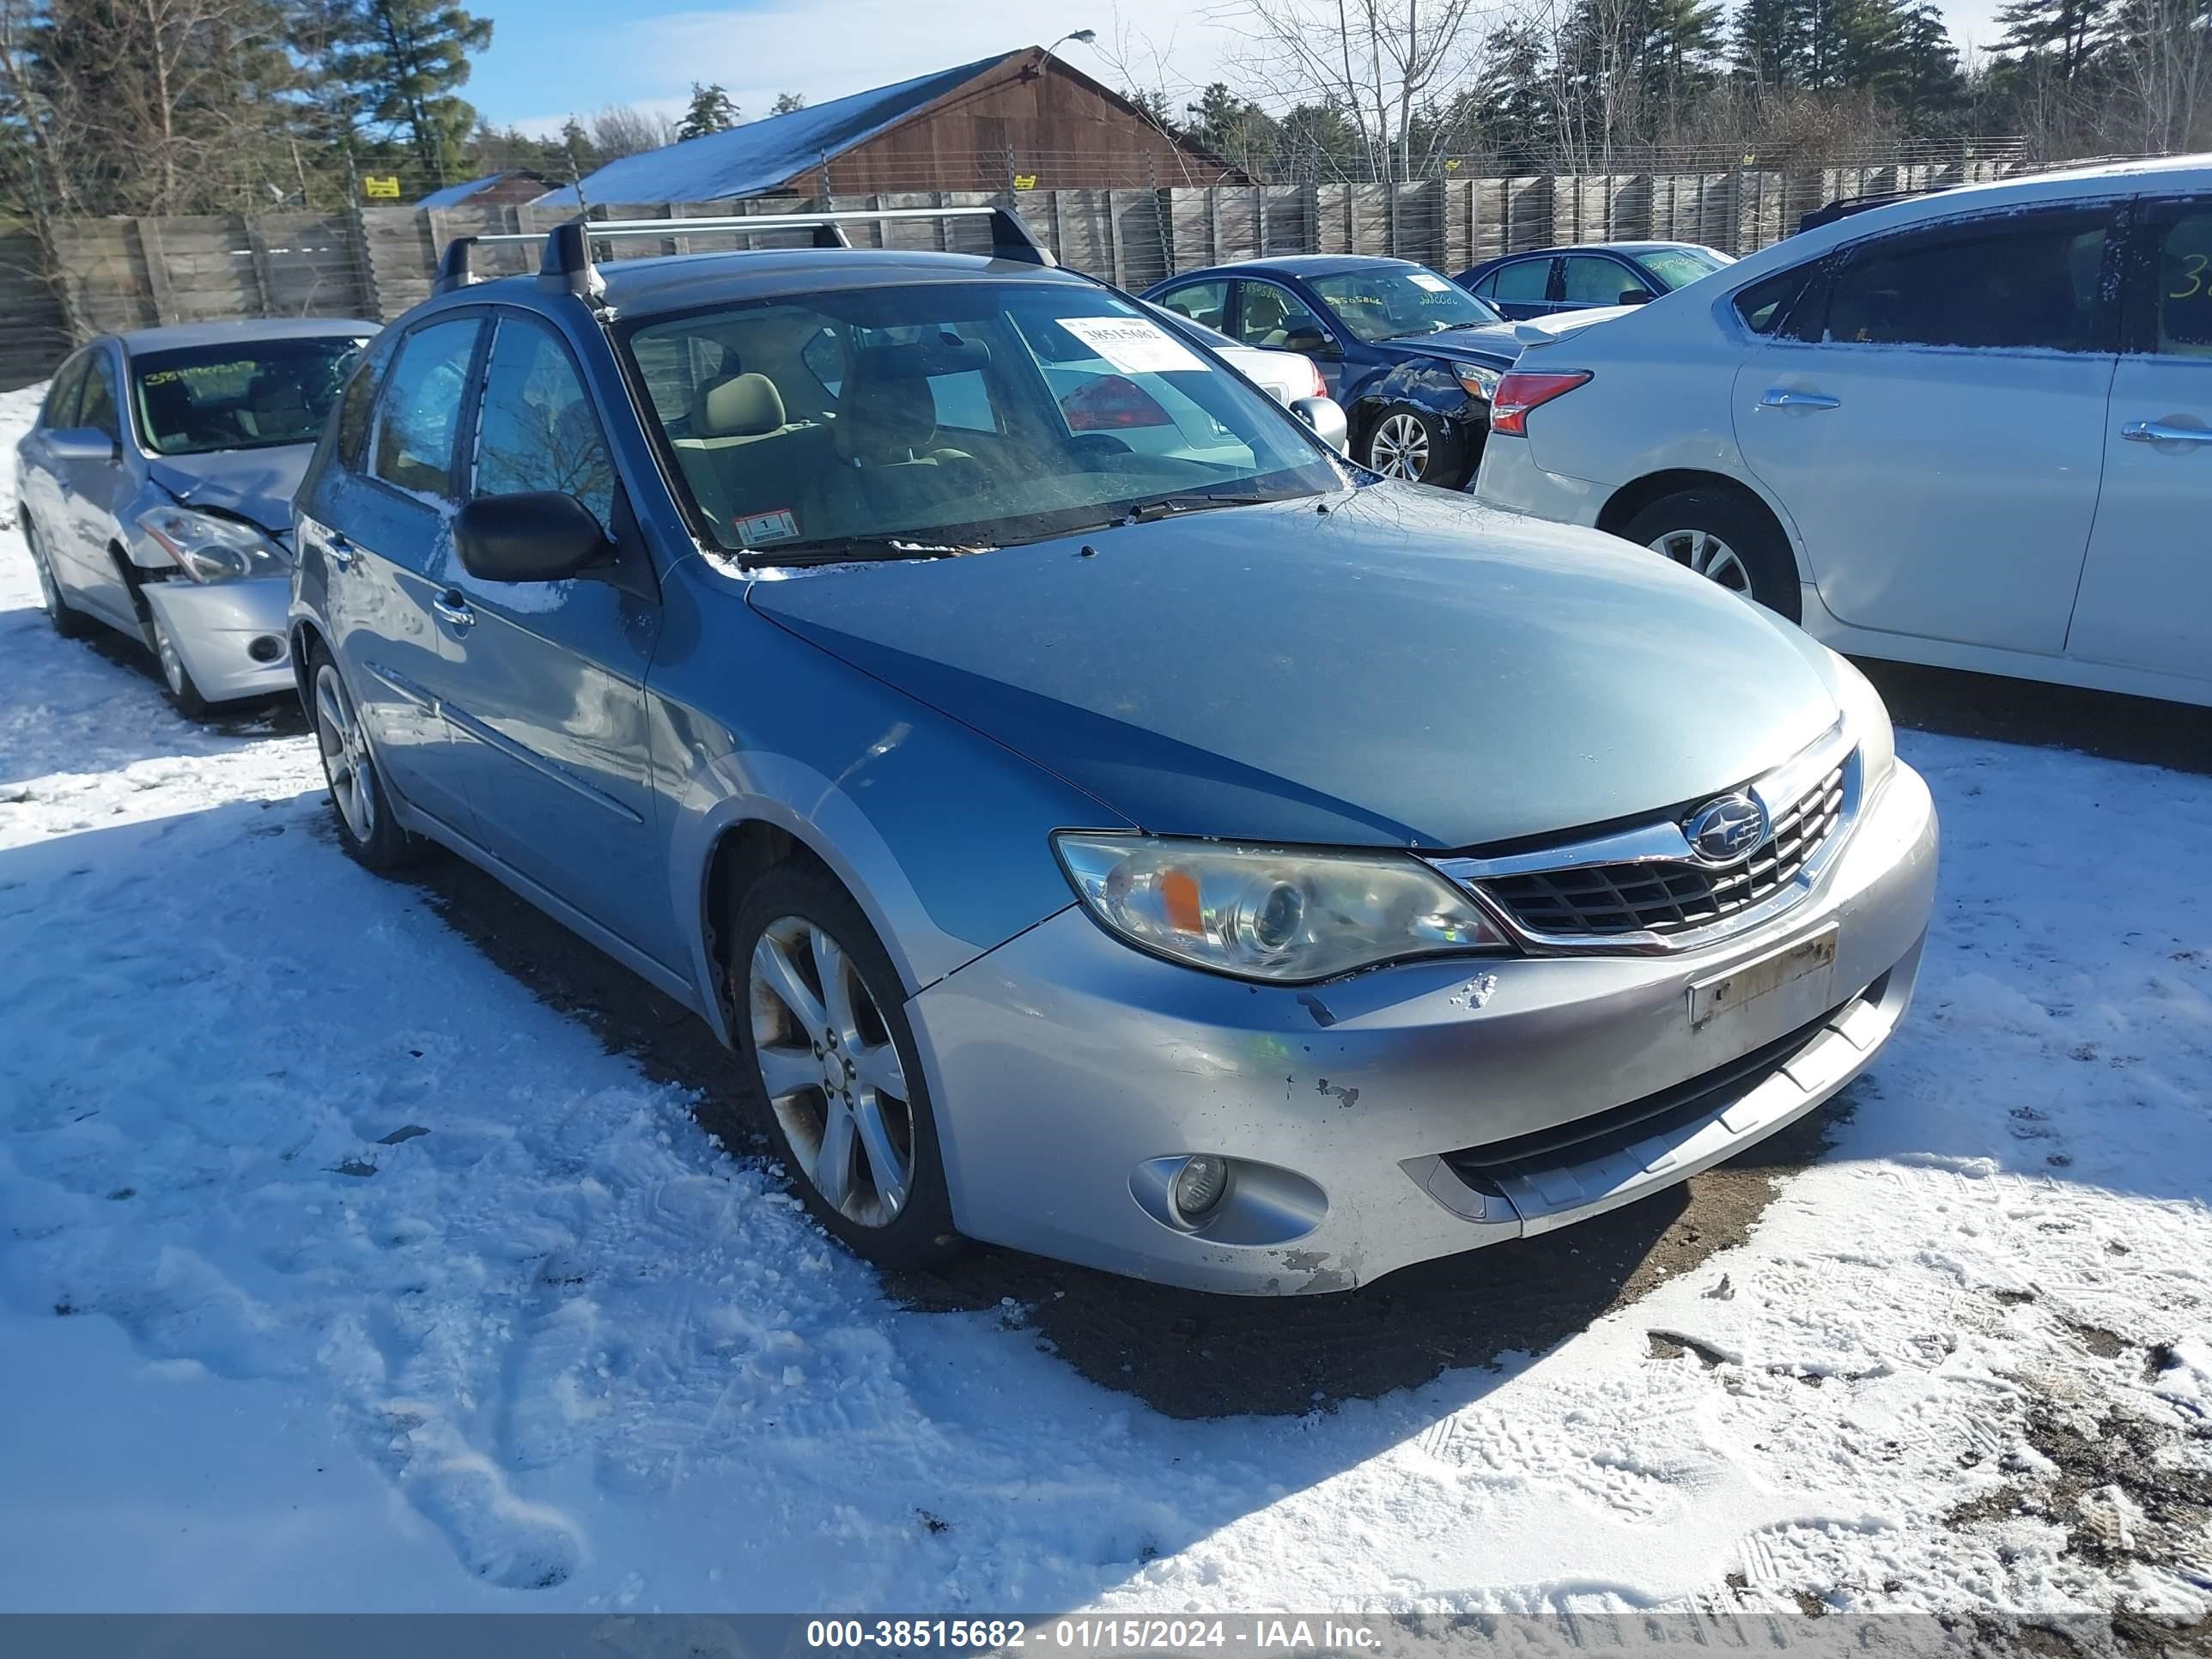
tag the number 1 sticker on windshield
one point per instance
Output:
(1132, 345)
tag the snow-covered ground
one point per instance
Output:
(337, 1272)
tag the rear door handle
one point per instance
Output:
(1781, 396)
(454, 608)
(2161, 432)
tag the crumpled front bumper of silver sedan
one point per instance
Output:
(1412, 1112)
(232, 636)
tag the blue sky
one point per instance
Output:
(550, 59)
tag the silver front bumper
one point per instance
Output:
(1066, 1068)
(215, 625)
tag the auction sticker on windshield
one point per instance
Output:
(1132, 345)
(780, 524)
(1434, 284)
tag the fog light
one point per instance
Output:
(267, 648)
(1200, 1186)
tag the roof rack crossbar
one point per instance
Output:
(566, 265)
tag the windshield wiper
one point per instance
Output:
(853, 550)
(1164, 506)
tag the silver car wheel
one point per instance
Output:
(345, 756)
(173, 665)
(830, 1072)
(49, 592)
(1400, 448)
(1707, 555)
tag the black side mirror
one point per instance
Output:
(541, 537)
(1635, 296)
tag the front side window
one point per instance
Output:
(1764, 307)
(65, 395)
(1392, 302)
(2180, 282)
(95, 410)
(1527, 282)
(246, 394)
(1593, 281)
(2020, 281)
(969, 414)
(1273, 318)
(419, 415)
(536, 430)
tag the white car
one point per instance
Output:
(1972, 429)
(1285, 376)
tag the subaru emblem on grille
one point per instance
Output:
(1721, 831)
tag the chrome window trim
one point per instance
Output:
(1663, 842)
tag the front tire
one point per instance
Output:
(68, 621)
(1719, 535)
(828, 1064)
(184, 692)
(367, 829)
(1416, 447)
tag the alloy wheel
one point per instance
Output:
(1707, 555)
(831, 1072)
(173, 665)
(345, 756)
(49, 593)
(1400, 448)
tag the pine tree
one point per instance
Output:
(711, 111)
(787, 103)
(401, 63)
(1772, 42)
(2061, 34)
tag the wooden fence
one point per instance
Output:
(109, 275)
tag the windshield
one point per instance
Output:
(881, 422)
(243, 394)
(1676, 266)
(1390, 302)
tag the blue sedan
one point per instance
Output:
(1412, 359)
(1544, 280)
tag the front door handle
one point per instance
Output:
(1781, 397)
(2162, 432)
(343, 552)
(454, 608)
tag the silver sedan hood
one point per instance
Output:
(1407, 669)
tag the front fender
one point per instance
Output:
(1426, 383)
(942, 835)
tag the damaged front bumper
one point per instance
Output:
(1409, 1113)
(232, 636)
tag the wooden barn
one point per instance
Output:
(1022, 120)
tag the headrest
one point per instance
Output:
(887, 410)
(743, 406)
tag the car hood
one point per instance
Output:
(253, 483)
(1407, 668)
(1491, 345)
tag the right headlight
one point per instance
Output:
(210, 548)
(1269, 912)
(1866, 719)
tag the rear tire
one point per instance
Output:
(368, 830)
(827, 1064)
(1717, 534)
(68, 621)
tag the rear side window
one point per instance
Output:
(419, 417)
(1525, 283)
(2179, 309)
(537, 429)
(2022, 282)
(1765, 306)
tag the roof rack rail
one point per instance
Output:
(568, 267)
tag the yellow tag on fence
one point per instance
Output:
(381, 187)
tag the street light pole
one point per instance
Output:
(1081, 37)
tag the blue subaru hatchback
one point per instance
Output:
(1100, 821)
(1412, 358)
